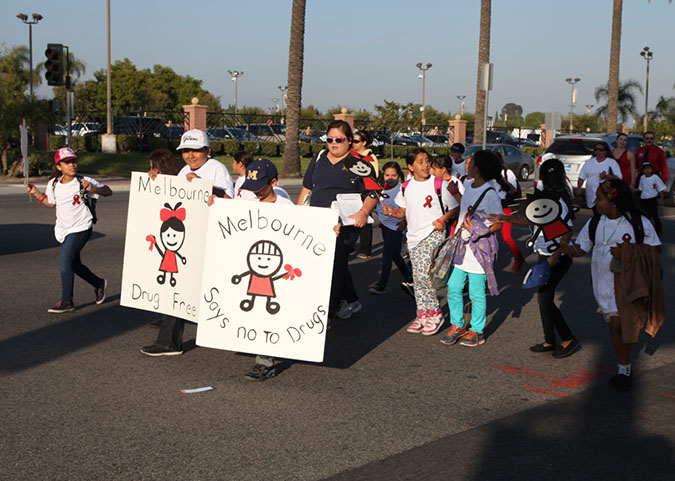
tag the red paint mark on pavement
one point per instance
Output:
(544, 391)
(515, 370)
(580, 378)
(668, 395)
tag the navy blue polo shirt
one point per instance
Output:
(327, 180)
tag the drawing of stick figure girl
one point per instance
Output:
(172, 236)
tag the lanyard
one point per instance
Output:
(604, 221)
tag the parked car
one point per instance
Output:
(634, 141)
(141, 127)
(493, 137)
(85, 128)
(176, 131)
(435, 140)
(266, 131)
(230, 133)
(527, 143)
(60, 130)
(515, 159)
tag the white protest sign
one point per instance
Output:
(164, 245)
(267, 279)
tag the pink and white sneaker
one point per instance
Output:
(434, 322)
(418, 324)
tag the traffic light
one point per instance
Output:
(54, 64)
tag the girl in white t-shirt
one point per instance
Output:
(241, 160)
(616, 209)
(442, 167)
(69, 194)
(392, 230)
(554, 181)
(423, 200)
(483, 169)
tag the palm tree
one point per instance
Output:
(483, 57)
(614, 53)
(665, 108)
(291, 165)
(626, 101)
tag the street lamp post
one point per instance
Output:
(283, 96)
(276, 104)
(24, 18)
(572, 81)
(235, 78)
(647, 55)
(461, 103)
(423, 76)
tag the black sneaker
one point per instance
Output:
(620, 382)
(157, 350)
(62, 307)
(408, 288)
(542, 348)
(376, 288)
(99, 292)
(571, 348)
(260, 372)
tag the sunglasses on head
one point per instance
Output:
(337, 140)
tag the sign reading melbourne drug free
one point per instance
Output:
(164, 247)
(267, 279)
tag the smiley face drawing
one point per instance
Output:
(365, 171)
(264, 261)
(172, 237)
(545, 213)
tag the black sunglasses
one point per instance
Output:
(601, 149)
(337, 140)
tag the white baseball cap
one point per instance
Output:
(193, 139)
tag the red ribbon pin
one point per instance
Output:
(428, 199)
(76, 199)
(626, 237)
(291, 273)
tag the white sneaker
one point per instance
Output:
(434, 323)
(348, 309)
(418, 323)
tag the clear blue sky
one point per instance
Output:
(358, 53)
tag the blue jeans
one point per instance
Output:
(476, 294)
(391, 251)
(70, 264)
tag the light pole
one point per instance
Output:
(461, 103)
(283, 96)
(276, 104)
(647, 55)
(572, 81)
(235, 78)
(589, 107)
(423, 76)
(24, 18)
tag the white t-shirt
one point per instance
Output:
(510, 178)
(591, 171)
(214, 171)
(422, 207)
(280, 199)
(389, 222)
(491, 204)
(460, 184)
(540, 243)
(650, 186)
(459, 170)
(609, 233)
(237, 186)
(72, 214)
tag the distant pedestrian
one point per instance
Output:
(596, 170)
(650, 187)
(456, 154)
(654, 154)
(626, 159)
(392, 233)
(74, 197)
(507, 198)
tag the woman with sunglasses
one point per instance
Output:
(362, 140)
(325, 178)
(596, 170)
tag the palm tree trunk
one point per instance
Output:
(614, 54)
(291, 166)
(483, 56)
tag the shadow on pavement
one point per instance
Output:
(20, 238)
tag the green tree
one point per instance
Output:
(627, 101)
(512, 113)
(310, 112)
(533, 120)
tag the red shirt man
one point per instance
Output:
(654, 154)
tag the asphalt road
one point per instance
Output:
(80, 402)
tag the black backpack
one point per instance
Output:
(638, 228)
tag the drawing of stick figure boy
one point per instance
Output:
(172, 236)
(264, 260)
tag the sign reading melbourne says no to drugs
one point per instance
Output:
(267, 279)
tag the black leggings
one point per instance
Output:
(551, 318)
